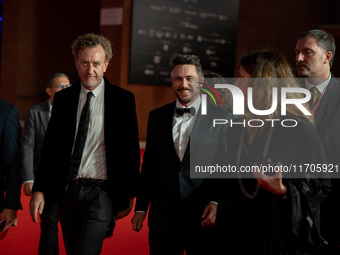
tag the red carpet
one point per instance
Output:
(24, 239)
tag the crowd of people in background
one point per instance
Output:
(79, 158)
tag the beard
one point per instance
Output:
(194, 93)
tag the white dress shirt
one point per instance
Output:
(320, 88)
(93, 162)
(182, 127)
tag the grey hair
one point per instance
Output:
(323, 40)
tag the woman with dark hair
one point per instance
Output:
(269, 209)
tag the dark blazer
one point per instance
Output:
(327, 122)
(32, 138)
(121, 140)
(10, 159)
(269, 224)
(165, 180)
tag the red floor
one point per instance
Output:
(24, 239)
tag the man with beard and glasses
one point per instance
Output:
(315, 51)
(182, 209)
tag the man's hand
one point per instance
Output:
(10, 216)
(271, 183)
(209, 215)
(137, 221)
(37, 205)
(124, 213)
(28, 188)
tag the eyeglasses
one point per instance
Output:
(60, 86)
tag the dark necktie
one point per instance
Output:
(315, 95)
(80, 139)
(180, 111)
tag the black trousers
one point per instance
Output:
(48, 244)
(184, 234)
(84, 214)
(176, 242)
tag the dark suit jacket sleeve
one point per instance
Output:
(10, 158)
(213, 187)
(122, 145)
(27, 147)
(55, 154)
(215, 191)
(130, 147)
(148, 172)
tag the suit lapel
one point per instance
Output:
(202, 123)
(327, 102)
(72, 107)
(112, 104)
(167, 122)
(44, 115)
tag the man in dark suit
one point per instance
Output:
(315, 51)
(10, 167)
(90, 156)
(32, 139)
(182, 209)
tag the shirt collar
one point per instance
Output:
(95, 92)
(320, 87)
(196, 104)
(49, 105)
